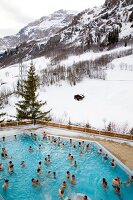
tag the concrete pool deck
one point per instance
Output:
(123, 150)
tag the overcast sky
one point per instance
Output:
(15, 14)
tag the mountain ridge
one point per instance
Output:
(38, 29)
(97, 29)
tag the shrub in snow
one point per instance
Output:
(131, 131)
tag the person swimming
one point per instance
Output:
(10, 163)
(118, 190)
(71, 158)
(113, 164)
(80, 144)
(100, 151)
(3, 138)
(4, 153)
(40, 147)
(87, 147)
(6, 183)
(15, 137)
(129, 181)
(67, 174)
(104, 183)
(23, 164)
(61, 193)
(35, 182)
(72, 181)
(70, 141)
(4, 150)
(39, 172)
(131, 178)
(84, 198)
(11, 169)
(54, 174)
(116, 183)
(75, 163)
(64, 185)
(105, 157)
(30, 149)
(40, 165)
(46, 160)
(1, 167)
(49, 173)
(48, 137)
(44, 135)
(69, 155)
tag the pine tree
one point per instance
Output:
(88, 125)
(109, 127)
(29, 107)
(131, 131)
(113, 37)
(19, 87)
(1, 114)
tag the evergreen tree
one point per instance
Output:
(88, 125)
(125, 44)
(109, 127)
(113, 37)
(1, 114)
(131, 131)
(19, 87)
(29, 107)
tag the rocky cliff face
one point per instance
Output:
(112, 3)
(40, 30)
(93, 26)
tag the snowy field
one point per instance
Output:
(105, 101)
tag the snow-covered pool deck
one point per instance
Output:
(121, 149)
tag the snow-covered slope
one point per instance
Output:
(105, 101)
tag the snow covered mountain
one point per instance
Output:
(94, 26)
(62, 33)
(39, 30)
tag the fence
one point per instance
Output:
(86, 130)
(15, 123)
(70, 127)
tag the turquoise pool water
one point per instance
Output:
(89, 172)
